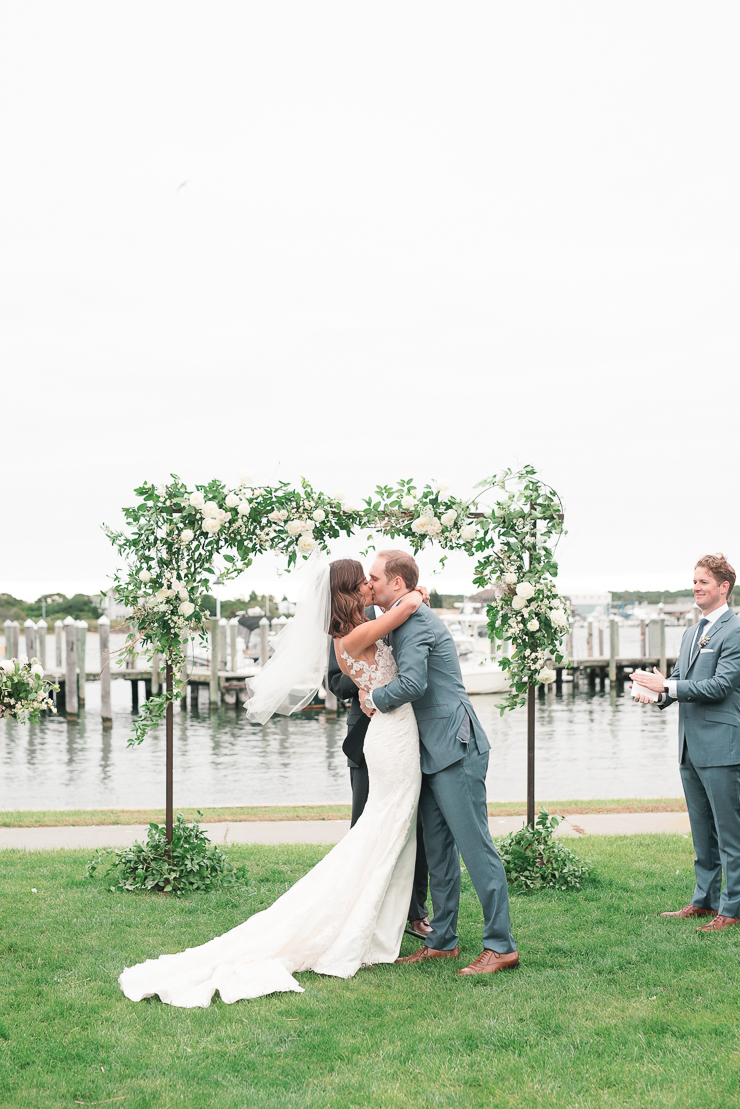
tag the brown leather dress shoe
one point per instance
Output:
(419, 928)
(691, 910)
(430, 953)
(490, 961)
(719, 922)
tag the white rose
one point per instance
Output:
(283, 514)
(319, 515)
(182, 593)
(558, 617)
(7, 664)
(533, 624)
(407, 502)
(348, 507)
(144, 575)
(435, 526)
(161, 594)
(244, 507)
(420, 525)
(222, 516)
(294, 527)
(245, 477)
(275, 516)
(307, 525)
(338, 496)
(211, 526)
(197, 500)
(518, 603)
(232, 500)
(38, 670)
(546, 676)
(448, 518)
(186, 608)
(440, 486)
(210, 510)
(306, 544)
(509, 579)
(175, 585)
(525, 589)
(187, 536)
(469, 532)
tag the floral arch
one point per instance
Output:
(174, 535)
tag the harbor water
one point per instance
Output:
(589, 745)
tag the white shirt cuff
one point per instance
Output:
(370, 698)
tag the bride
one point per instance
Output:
(350, 910)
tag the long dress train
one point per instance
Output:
(349, 910)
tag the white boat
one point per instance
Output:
(481, 672)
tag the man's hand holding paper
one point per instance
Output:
(647, 687)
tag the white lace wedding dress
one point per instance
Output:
(348, 911)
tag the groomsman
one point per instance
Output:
(706, 683)
(346, 690)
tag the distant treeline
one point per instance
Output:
(58, 607)
(655, 597)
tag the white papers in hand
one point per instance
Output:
(643, 688)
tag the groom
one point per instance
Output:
(454, 760)
(706, 683)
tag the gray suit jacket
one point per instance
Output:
(429, 677)
(708, 692)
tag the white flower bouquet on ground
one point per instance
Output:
(24, 692)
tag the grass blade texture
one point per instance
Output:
(613, 1007)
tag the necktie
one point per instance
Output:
(702, 625)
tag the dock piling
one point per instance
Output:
(105, 702)
(81, 648)
(30, 630)
(70, 684)
(264, 627)
(58, 632)
(233, 639)
(613, 648)
(41, 641)
(213, 684)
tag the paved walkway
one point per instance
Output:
(324, 831)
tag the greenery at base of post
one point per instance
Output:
(534, 860)
(190, 863)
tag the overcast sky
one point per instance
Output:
(364, 241)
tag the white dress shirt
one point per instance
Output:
(712, 618)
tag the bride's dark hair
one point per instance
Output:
(347, 602)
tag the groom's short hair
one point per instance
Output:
(719, 568)
(398, 564)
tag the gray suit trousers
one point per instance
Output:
(454, 817)
(713, 801)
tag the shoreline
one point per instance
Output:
(231, 814)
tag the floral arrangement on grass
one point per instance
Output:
(190, 863)
(24, 692)
(533, 859)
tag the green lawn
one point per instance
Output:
(44, 818)
(612, 1007)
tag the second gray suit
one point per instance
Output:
(708, 691)
(454, 761)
